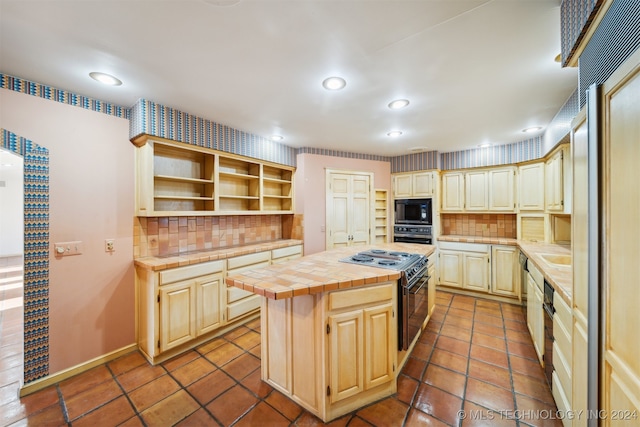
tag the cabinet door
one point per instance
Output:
(476, 191)
(501, 190)
(378, 326)
(402, 186)
(177, 314)
(348, 210)
(423, 184)
(451, 268)
(208, 315)
(554, 184)
(360, 215)
(476, 271)
(431, 289)
(346, 367)
(453, 191)
(505, 271)
(531, 187)
(535, 316)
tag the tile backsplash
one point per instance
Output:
(480, 225)
(159, 236)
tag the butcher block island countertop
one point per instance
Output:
(329, 330)
(321, 272)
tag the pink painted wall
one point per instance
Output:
(310, 196)
(91, 296)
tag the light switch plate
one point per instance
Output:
(61, 249)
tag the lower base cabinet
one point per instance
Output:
(332, 352)
(535, 316)
(182, 307)
(490, 269)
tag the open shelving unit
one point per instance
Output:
(176, 179)
(382, 216)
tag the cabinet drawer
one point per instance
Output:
(242, 307)
(466, 247)
(563, 312)
(244, 260)
(360, 296)
(562, 369)
(285, 252)
(235, 294)
(561, 399)
(562, 337)
(188, 272)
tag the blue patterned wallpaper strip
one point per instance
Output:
(415, 162)
(560, 126)
(346, 154)
(158, 120)
(59, 95)
(36, 253)
(492, 156)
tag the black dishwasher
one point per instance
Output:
(547, 305)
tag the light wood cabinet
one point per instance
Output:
(476, 191)
(334, 351)
(178, 179)
(505, 271)
(415, 184)
(531, 183)
(502, 189)
(453, 192)
(535, 316)
(179, 308)
(464, 266)
(561, 383)
(554, 182)
(479, 190)
(382, 217)
(431, 288)
(349, 209)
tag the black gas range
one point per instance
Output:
(412, 292)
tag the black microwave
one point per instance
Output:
(413, 211)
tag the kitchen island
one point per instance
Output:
(329, 329)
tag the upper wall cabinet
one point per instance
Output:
(531, 186)
(482, 190)
(558, 182)
(415, 184)
(176, 179)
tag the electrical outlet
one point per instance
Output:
(109, 245)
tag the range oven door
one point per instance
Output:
(416, 238)
(414, 311)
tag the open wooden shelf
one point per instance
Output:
(381, 216)
(176, 179)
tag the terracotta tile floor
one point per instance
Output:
(474, 356)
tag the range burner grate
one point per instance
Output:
(362, 258)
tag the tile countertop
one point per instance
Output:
(320, 272)
(561, 278)
(156, 263)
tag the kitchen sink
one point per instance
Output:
(556, 260)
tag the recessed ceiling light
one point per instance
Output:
(106, 79)
(532, 129)
(276, 137)
(394, 133)
(418, 149)
(485, 145)
(558, 58)
(398, 103)
(334, 83)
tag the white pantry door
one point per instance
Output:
(349, 208)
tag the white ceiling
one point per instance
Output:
(475, 71)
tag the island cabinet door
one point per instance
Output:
(346, 354)
(177, 314)
(378, 325)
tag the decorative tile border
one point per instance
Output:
(158, 120)
(36, 253)
(63, 96)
